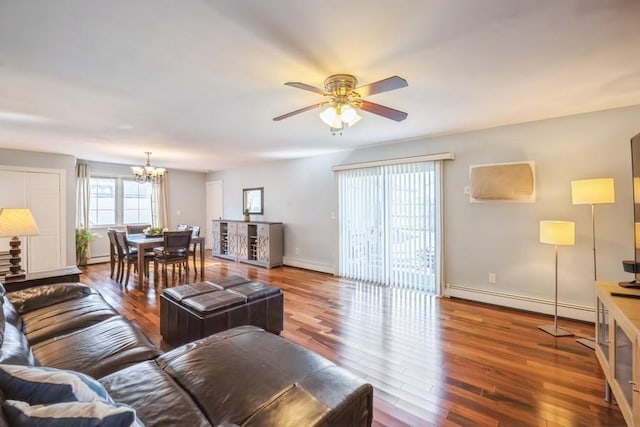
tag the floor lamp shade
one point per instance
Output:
(14, 223)
(593, 191)
(561, 233)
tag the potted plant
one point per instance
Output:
(247, 218)
(83, 238)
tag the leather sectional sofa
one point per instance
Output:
(242, 376)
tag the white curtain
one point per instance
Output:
(159, 202)
(389, 225)
(82, 196)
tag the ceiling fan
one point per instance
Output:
(344, 99)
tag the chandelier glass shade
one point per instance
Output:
(338, 116)
(147, 173)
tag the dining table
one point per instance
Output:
(142, 242)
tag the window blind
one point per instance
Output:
(389, 224)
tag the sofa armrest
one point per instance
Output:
(43, 296)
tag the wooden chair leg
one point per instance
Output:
(155, 273)
(120, 273)
(164, 275)
(126, 282)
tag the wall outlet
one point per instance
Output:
(297, 251)
(467, 190)
(492, 278)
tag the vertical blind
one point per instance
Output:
(389, 224)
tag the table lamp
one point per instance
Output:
(557, 233)
(14, 223)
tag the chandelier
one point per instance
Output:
(147, 173)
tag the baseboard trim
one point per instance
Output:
(522, 302)
(308, 265)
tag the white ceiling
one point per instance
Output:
(198, 82)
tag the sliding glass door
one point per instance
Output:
(389, 224)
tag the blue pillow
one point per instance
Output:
(70, 414)
(41, 386)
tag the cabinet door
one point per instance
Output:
(216, 237)
(263, 243)
(232, 234)
(623, 367)
(243, 241)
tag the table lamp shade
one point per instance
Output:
(557, 232)
(17, 222)
(593, 191)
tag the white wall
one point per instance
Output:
(30, 159)
(485, 238)
(187, 204)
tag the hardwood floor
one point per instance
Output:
(432, 361)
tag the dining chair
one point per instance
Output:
(129, 254)
(137, 228)
(175, 251)
(114, 253)
(195, 232)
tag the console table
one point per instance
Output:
(617, 340)
(258, 243)
(67, 274)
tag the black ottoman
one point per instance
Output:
(194, 311)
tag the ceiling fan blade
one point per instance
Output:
(383, 111)
(301, 110)
(385, 85)
(305, 86)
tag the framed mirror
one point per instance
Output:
(252, 201)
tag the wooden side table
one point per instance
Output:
(67, 274)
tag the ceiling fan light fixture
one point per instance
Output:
(356, 118)
(349, 115)
(329, 115)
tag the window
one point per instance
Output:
(102, 201)
(389, 225)
(114, 201)
(136, 207)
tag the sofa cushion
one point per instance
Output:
(42, 386)
(15, 348)
(97, 350)
(159, 401)
(42, 296)
(64, 317)
(70, 414)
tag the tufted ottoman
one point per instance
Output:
(194, 311)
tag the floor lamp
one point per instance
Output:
(592, 192)
(557, 233)
(14, 223)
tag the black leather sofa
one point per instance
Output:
(242, 376)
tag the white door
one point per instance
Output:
(43, 198)
(214, 208)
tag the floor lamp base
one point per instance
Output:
(556, 332)
(587, 343)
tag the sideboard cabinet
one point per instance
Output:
(258, 243)
(617, 335)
